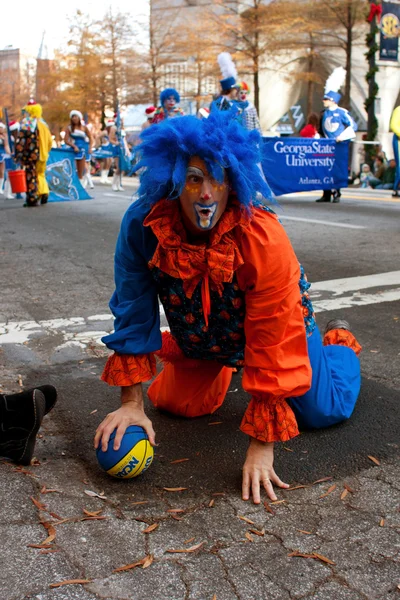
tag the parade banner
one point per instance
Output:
(303, 164)
(390, 30)
(62, 177)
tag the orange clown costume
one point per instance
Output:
(238, 300)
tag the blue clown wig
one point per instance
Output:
(165, 94)
(220, 141)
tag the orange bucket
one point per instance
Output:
(17, 181)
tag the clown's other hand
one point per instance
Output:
(258, 471)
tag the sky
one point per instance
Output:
(53, 17)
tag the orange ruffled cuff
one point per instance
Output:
(271, 421)
(342, 337)
(128, 369)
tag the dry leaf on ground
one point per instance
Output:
(95, 495)
(296, 487)
(70, 582)
(348, 488)
(374, 460)
(186, 550)
(382, 523)
(151, 528)
(189, 540)
(288, 449)
(211, 503)
(139, 563)
(246, 520)
(140, 502)
(177, 489)
(344, 494)
(305, 532)
(39, 505)
(329, 491)
(179, 460)
(322, 480)
(256, 532)
(148, 561)
(94, 513)
(176, 510)
(39, 546)
(268, 508)
(313, 555)
(44, 490)
(278, 502)
(248, 536)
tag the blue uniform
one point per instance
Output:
(82, 142)
(335, 121)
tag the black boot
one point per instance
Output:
(336, 196)
(44, 198)
(20, 418)
(50, 395)
(326, 196)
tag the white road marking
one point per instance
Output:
(321, 222)
(76, 331)
(351, 284)
(118, 195)
(356, 300)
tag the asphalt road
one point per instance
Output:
(57, 263)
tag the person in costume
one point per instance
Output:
(4, 155)
(106, 149)
(395, 127)
(149, 114)
(11, 165)
(310, 130)
(229, 87)
(250, 115)
(199, 240)
(168, 109)
(32, 150)
(337, 123)
(78, 137)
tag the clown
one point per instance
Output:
(32, 148)
(250, 118)
(395, 127)
(233, 293)
(337, 123)
(169, 100)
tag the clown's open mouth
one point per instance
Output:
(205, 213)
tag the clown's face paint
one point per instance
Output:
(203, 199)
(170, 103)
(242, 95)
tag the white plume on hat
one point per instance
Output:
(335, 80)
(227, 65)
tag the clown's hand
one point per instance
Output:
(258, 471)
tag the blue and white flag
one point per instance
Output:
(62, 177)
(304, 164)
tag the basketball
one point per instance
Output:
(134, 456)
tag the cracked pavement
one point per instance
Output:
(345, 527)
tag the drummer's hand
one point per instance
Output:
(258, 471)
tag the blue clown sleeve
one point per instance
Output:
(134, 302)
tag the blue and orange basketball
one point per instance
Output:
(134, 456)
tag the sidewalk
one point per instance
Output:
(327, 540)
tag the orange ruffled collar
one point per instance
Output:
(218, 259)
